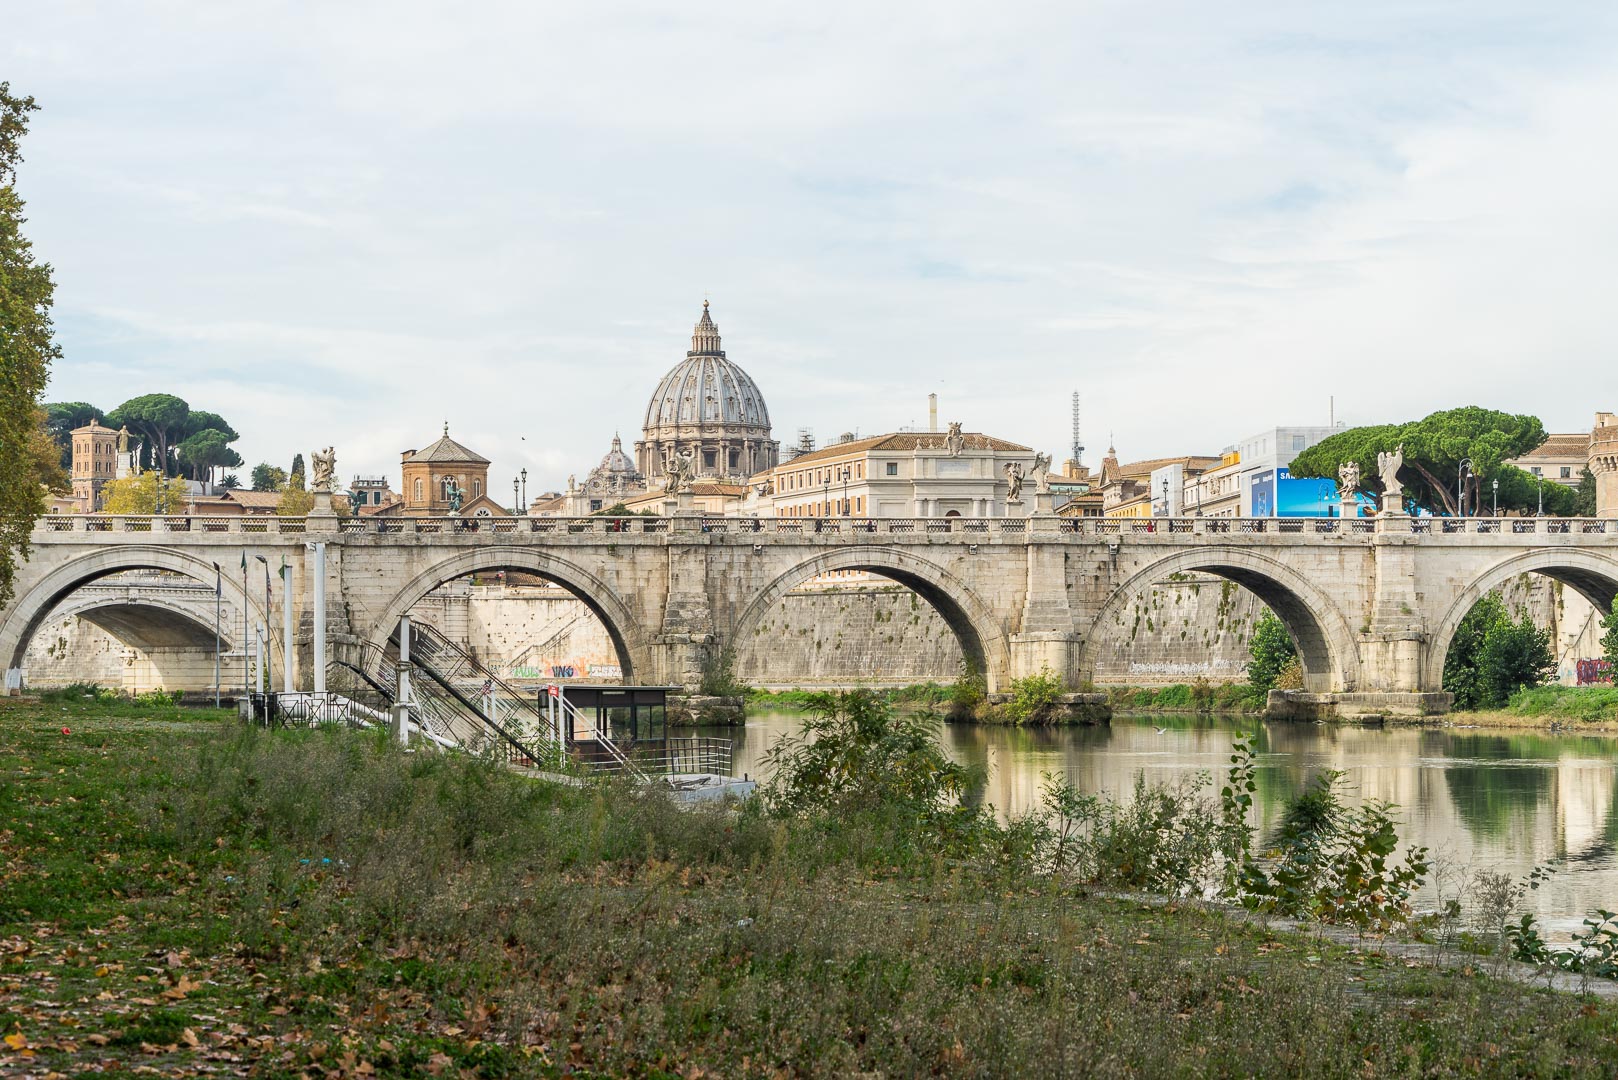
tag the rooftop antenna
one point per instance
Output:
(1078, 440)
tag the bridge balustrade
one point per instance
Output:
(258, 525)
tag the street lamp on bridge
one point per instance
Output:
(1460, 486)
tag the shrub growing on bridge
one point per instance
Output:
(1271, 649)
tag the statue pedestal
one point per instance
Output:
(671, 507)
(321, 516)
(1348, 508)
(1043, 503)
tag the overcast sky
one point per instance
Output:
(348, 223)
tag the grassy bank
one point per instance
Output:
(1584, 708)
(932, 695)
(179, 894)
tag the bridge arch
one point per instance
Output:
(1327, 646)
(981, 633)
(1595, 576)
(28, 612)
(149, 622)
(623, 627)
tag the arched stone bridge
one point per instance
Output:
(1373, 606)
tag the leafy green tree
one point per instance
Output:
(1434, 448)
(1493, 656)
(160, 420)
(295, 501)
(1271, 650)
(1584, 496)
(62, 418)
(27, 347)
(207, 450)
(147, 492)
(267, 477)
(1609, 640)
(295, 477)
(230, 482)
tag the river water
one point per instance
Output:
(1501, 800)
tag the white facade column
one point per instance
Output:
(319, 569)
(286, 629)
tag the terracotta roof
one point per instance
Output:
(1561, 446)
(255, 500)
(1134, 469)
(905, 440)
(717, 488)
(448, 450)
(95, 427)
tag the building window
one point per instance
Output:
(418, 489)
(477, 488)
(893, 468)
(735, 459)
(1536, 471)
(1567, 472)
(707, 459)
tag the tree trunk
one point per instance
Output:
(1438, 488)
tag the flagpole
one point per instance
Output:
(218, 588)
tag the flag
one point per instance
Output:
(244, 560)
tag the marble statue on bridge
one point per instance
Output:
(1041, 473)
(1014, 480)
(325, 464)
(1388, 464)
(679, 469)
(954, 441)
(1348, 479)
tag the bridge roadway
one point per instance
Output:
(1373, 605)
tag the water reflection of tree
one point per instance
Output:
(1488, 797)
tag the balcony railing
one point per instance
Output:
(854, 529)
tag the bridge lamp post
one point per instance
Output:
(1541, 511)
(1495, 484)
(825, 494)
(1460, 486)
(523, 505)
(514, 503)
(847, 469)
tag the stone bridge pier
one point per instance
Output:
(1372, 607)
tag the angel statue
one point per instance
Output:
(1388, 465)
(1348, 479)
(454, 495)
(1042, 474)
(679, 469)
(325, 463)
(1014, 480)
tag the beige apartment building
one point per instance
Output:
(903, 474)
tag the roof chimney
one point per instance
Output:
(932, 412)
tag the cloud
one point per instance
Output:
(348, 223)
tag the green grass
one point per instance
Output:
(1574, 703)
(180, 894)
(930, 694)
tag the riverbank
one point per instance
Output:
(177, 892)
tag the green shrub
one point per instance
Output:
(719, 675)
(1034, 698)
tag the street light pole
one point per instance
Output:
(514, 501)
(1460, 486)
(1495, 484)
(846, 470)
(523, 505)
(1541, 511)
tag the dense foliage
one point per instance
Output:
(1609, 637)
(168, 434)
(1271, 649)
(1434, 448)
(1492, 656)
(145, 493)
(267, 477)
(28, 463)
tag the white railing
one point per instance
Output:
(854, 529)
